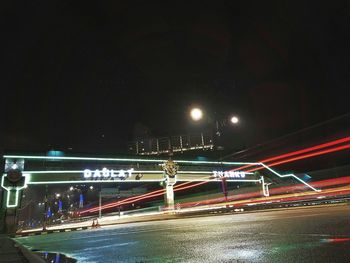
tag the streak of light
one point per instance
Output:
(305, 150)
(273, 191)
(279, 198)
(137, 198)
(336, 240)
(335, 149)
(322, 183)
(161, 191)
(182, 187)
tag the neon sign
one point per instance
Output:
(229, 174)
(108, 173)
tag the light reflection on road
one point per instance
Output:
(277, 236)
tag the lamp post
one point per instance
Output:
(197, 115)
(45, 209)
(233, 120)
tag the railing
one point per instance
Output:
(180, 143)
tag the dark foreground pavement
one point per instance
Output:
(12, 252)
(313, 234)
(9, 252)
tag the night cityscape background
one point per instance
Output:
(100, 98)
(91, 77)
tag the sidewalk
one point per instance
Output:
(11, 252)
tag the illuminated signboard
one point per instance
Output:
(107, 173)
(229, 174)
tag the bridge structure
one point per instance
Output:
(22, 171)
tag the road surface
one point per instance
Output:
(316, 234)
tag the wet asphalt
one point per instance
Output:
(313, 234)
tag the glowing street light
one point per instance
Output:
(196, 114)
(234, 120)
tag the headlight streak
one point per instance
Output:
(305, 150)
(247, 196)
(179, 187)
(274, 191)
(141, 197)
(335, 149)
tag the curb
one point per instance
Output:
(37, 233)
(29, 255)
(176, 216)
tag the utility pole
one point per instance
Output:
(45, 209)
(100, 206)
(224, 187)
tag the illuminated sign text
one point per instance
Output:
(229, 174)
(107, 173)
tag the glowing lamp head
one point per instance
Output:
(196, 114)
(234, 120)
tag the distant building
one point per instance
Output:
(173, 144)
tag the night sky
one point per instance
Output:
(91, 77)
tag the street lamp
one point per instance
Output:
(234, 120)
(196, 114)
(218, 122)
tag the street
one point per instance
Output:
(316, 234)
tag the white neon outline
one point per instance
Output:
(96, 181)
(180, 172)
(141, 180)
(82, 171)
(219, 180)
(134, 172)
(199, 173)
(262, 180)
(124, 160)
(160, 161)
(289, 175)
(8, 189)
(160, 172)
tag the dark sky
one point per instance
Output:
(73, 72)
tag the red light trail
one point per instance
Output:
(139, 197)
(335, 149)
(183, 187)
(275, 191)
(305, 150)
